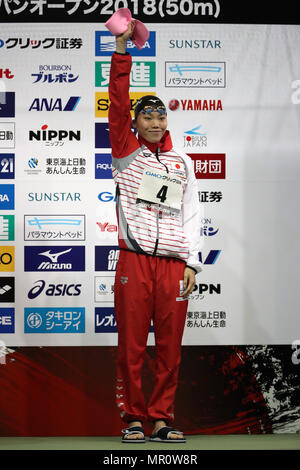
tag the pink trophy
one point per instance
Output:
(118, 24)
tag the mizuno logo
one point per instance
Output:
(54, 256)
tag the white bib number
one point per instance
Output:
(160, 187)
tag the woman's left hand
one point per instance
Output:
(189, 280)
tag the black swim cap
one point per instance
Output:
(148, 100)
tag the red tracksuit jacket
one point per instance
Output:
(142, 228)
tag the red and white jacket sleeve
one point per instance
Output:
(191, 215)
(122, 139)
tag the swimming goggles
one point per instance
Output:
(150, 109)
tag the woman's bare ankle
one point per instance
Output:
(134, 423)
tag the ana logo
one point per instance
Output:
(54, 104)
(54, 290)
(105, 45)
(63, 258)
(7, 166)
(211, 258)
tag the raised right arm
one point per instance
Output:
(123, 140)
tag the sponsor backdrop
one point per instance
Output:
(233, 94)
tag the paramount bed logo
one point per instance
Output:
(195, 75)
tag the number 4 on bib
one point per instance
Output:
(162, 194)
(159, 187)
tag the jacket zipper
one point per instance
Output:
(157, 215)
(157, 158)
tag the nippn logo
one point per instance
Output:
(102, 102)
(7, 258)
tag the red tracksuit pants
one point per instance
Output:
(146, 288)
